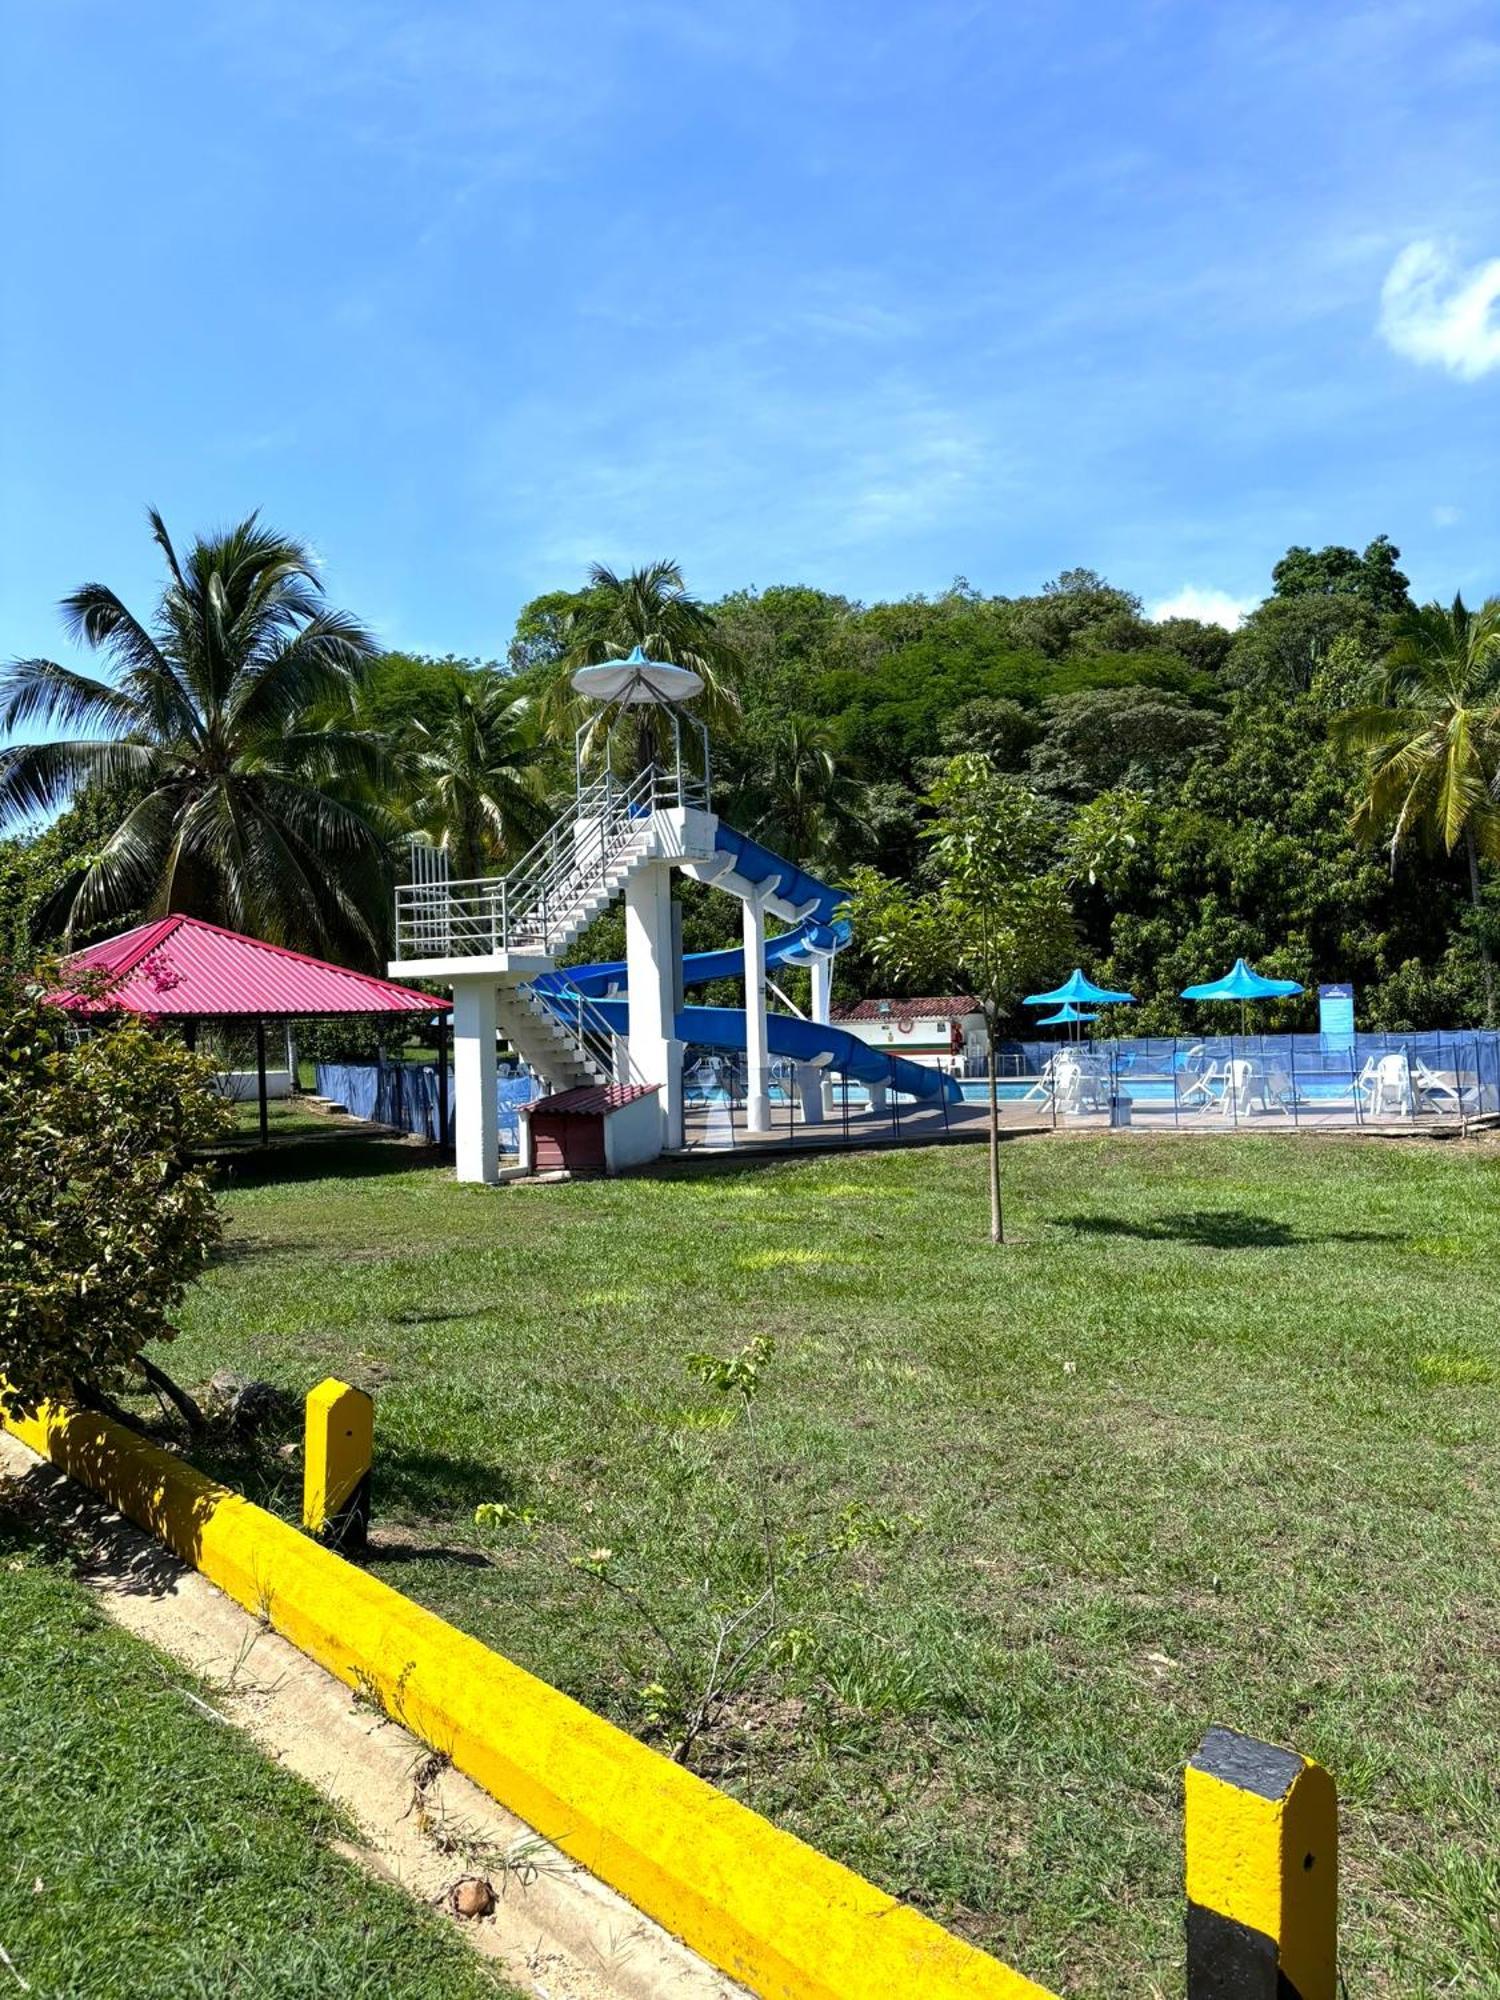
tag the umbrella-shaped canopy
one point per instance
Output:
(1242, 982)
(1067, 1013)
(1076, 990)
(635, 680)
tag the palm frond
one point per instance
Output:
(123, 875)
(323, 663)
(36, 779)
(44, 691)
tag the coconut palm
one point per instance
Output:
(651, 608)
(243, 802)
(480, 779)
(1431, 741)
(800, 799)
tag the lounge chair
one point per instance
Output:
(1434, 1092)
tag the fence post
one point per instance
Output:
(339, 1444)
(1261, 1830)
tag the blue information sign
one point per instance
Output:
(1336, 1015)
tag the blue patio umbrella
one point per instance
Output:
(1075, 991)
(1243, 983)
(1068, 1013)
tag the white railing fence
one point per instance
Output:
(535, 907)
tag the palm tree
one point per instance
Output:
(801, 801)
(651, 608)
(479, 777)
(1431, 741)
(246, 800)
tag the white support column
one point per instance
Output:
(810, 1082)
(476, 1114)
(822, 1009)
(757, 1035)
(651, 967)
(879, 1098)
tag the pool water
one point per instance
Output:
(1143, 1089)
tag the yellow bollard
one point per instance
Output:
(1262, 1873)
(340, 1441)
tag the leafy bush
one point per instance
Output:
(107, 1217)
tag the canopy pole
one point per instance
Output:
(444, 1135)
(260, 1082)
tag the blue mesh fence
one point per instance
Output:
(405, 1096)
(1437, 1074)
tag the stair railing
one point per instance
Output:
(531, 907)
(591, 1033)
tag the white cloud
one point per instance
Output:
(1434, 310)
(1212, 607)
(1447, 517)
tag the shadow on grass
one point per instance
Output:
(702, 1166)
(435, 1483)
(1219, 1229)
(317, 1156)
(392, 1555)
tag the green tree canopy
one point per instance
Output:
(991, 916)
(1373, 577)
(248, 806)
(651, 608)
(479, 777)
(1430, 739)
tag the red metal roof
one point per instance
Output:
(179, 967)
(590, 1100)
(946, 1007)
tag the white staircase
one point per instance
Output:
(563, 1060)
(553, 893)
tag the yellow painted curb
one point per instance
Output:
(758, 1903)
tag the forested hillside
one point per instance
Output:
(1214, 775)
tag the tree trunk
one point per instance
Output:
(1483, 941)
(185, 1405)
(997, 1220)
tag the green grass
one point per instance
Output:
(147, 1850)
(1213, 1439)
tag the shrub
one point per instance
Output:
(105, 1217)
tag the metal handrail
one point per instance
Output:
(591, 1032)
(531, 904)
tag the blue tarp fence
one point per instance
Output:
(405, 1095)
(1442, 1072)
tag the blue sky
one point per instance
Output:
(860, 295)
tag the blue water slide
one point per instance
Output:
(809, 907)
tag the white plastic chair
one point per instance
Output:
(1386, 1082)
(1194, 1079)
(1244, 1089)
(1045, 1083)
(1079, 1088)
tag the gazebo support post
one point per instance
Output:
(444, 1134)
(260, 1082)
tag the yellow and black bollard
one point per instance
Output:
(1262, 1873)
(340, 1442)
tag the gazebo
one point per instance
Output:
(179, 969)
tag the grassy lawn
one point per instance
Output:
(149, 1853)
(1215, 1439)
